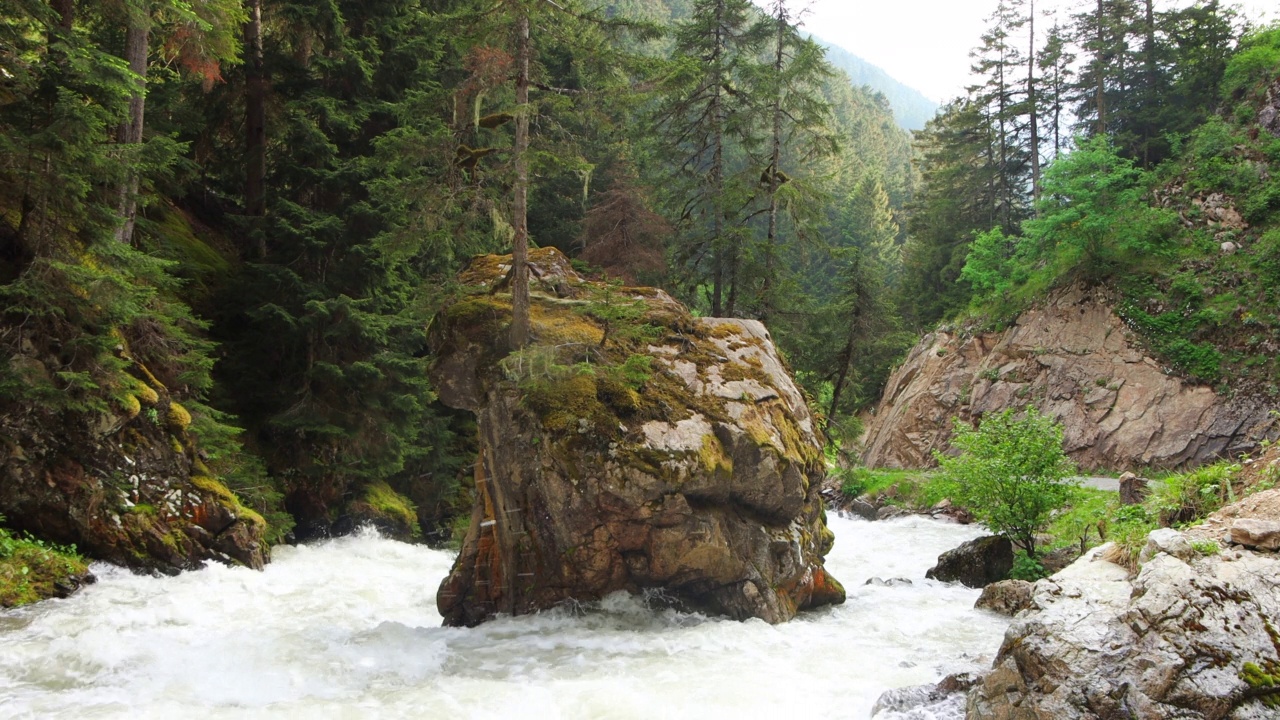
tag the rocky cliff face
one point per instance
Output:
(1075, 360)
(632, 447)
(1194, 635)
(124, 486)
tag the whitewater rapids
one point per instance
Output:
(348, 629)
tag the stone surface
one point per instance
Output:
(1007, 597)
(1168, 541)
(700, 480)
(1256, 534)
(976, 564)
(1075, 360)
(122, 486)
(1172, 642)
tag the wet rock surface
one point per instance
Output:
(696, 479)
(1007, 597)
(127, 487)
(975, 564)
(1076, 361)
(1193, 635)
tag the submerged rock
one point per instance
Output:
(975, 564)
(631, 447)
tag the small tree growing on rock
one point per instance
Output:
(1012, 473)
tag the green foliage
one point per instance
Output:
(1027, 568)
(1084, 521)
(1094, 214)
(1011, 473)
(1254, 65)
(1205, 547)
(30, 568)
(1190, 496)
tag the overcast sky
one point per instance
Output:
(926, 43)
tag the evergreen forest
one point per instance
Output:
(261, 204)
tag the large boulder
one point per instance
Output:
(1074, 358)
(631, 447)
(976, 564)
(1193, 635)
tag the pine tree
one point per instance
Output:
(706, 123)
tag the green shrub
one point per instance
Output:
(1027, 568)
(1012, 473)
(1190, 496)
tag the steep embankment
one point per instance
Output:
(630, 447)
(1073, 358)
(124, 484)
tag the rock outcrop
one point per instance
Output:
(1193, 635)
(1074, 359)
(125, 486)
(632, 447)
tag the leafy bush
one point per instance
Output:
(1027, 568)
(1186, 497)
(1253, 64)
(1011, 473)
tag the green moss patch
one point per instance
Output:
(31, 570)
(386, 501)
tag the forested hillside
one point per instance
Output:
(232, 222)
(1131, 148)
(910, 107)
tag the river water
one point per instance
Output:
(348, 629)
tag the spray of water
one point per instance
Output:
(348, 628)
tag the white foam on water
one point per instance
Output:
(348, 629)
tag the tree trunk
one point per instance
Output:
(1034, 110)
(136, 42)
(717, 169)
(1099, 62)
(519, 205)
(66, 10)
(775, 163)
(1149, 98)
(255, 103)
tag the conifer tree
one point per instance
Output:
(706, 123)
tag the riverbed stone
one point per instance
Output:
(685, 461)
(1007, 597)
(976, 564)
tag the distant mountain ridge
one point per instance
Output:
(911, 109)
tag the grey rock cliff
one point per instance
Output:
(1075, 360)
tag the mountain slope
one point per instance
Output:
(910, 107)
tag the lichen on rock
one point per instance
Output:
(673, 453)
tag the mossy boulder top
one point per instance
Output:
(631, 447)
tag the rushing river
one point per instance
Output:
(348, 629)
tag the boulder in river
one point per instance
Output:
(630, 447)
(976, 564)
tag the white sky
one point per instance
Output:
(926, 43)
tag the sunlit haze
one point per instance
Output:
(925, 43)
